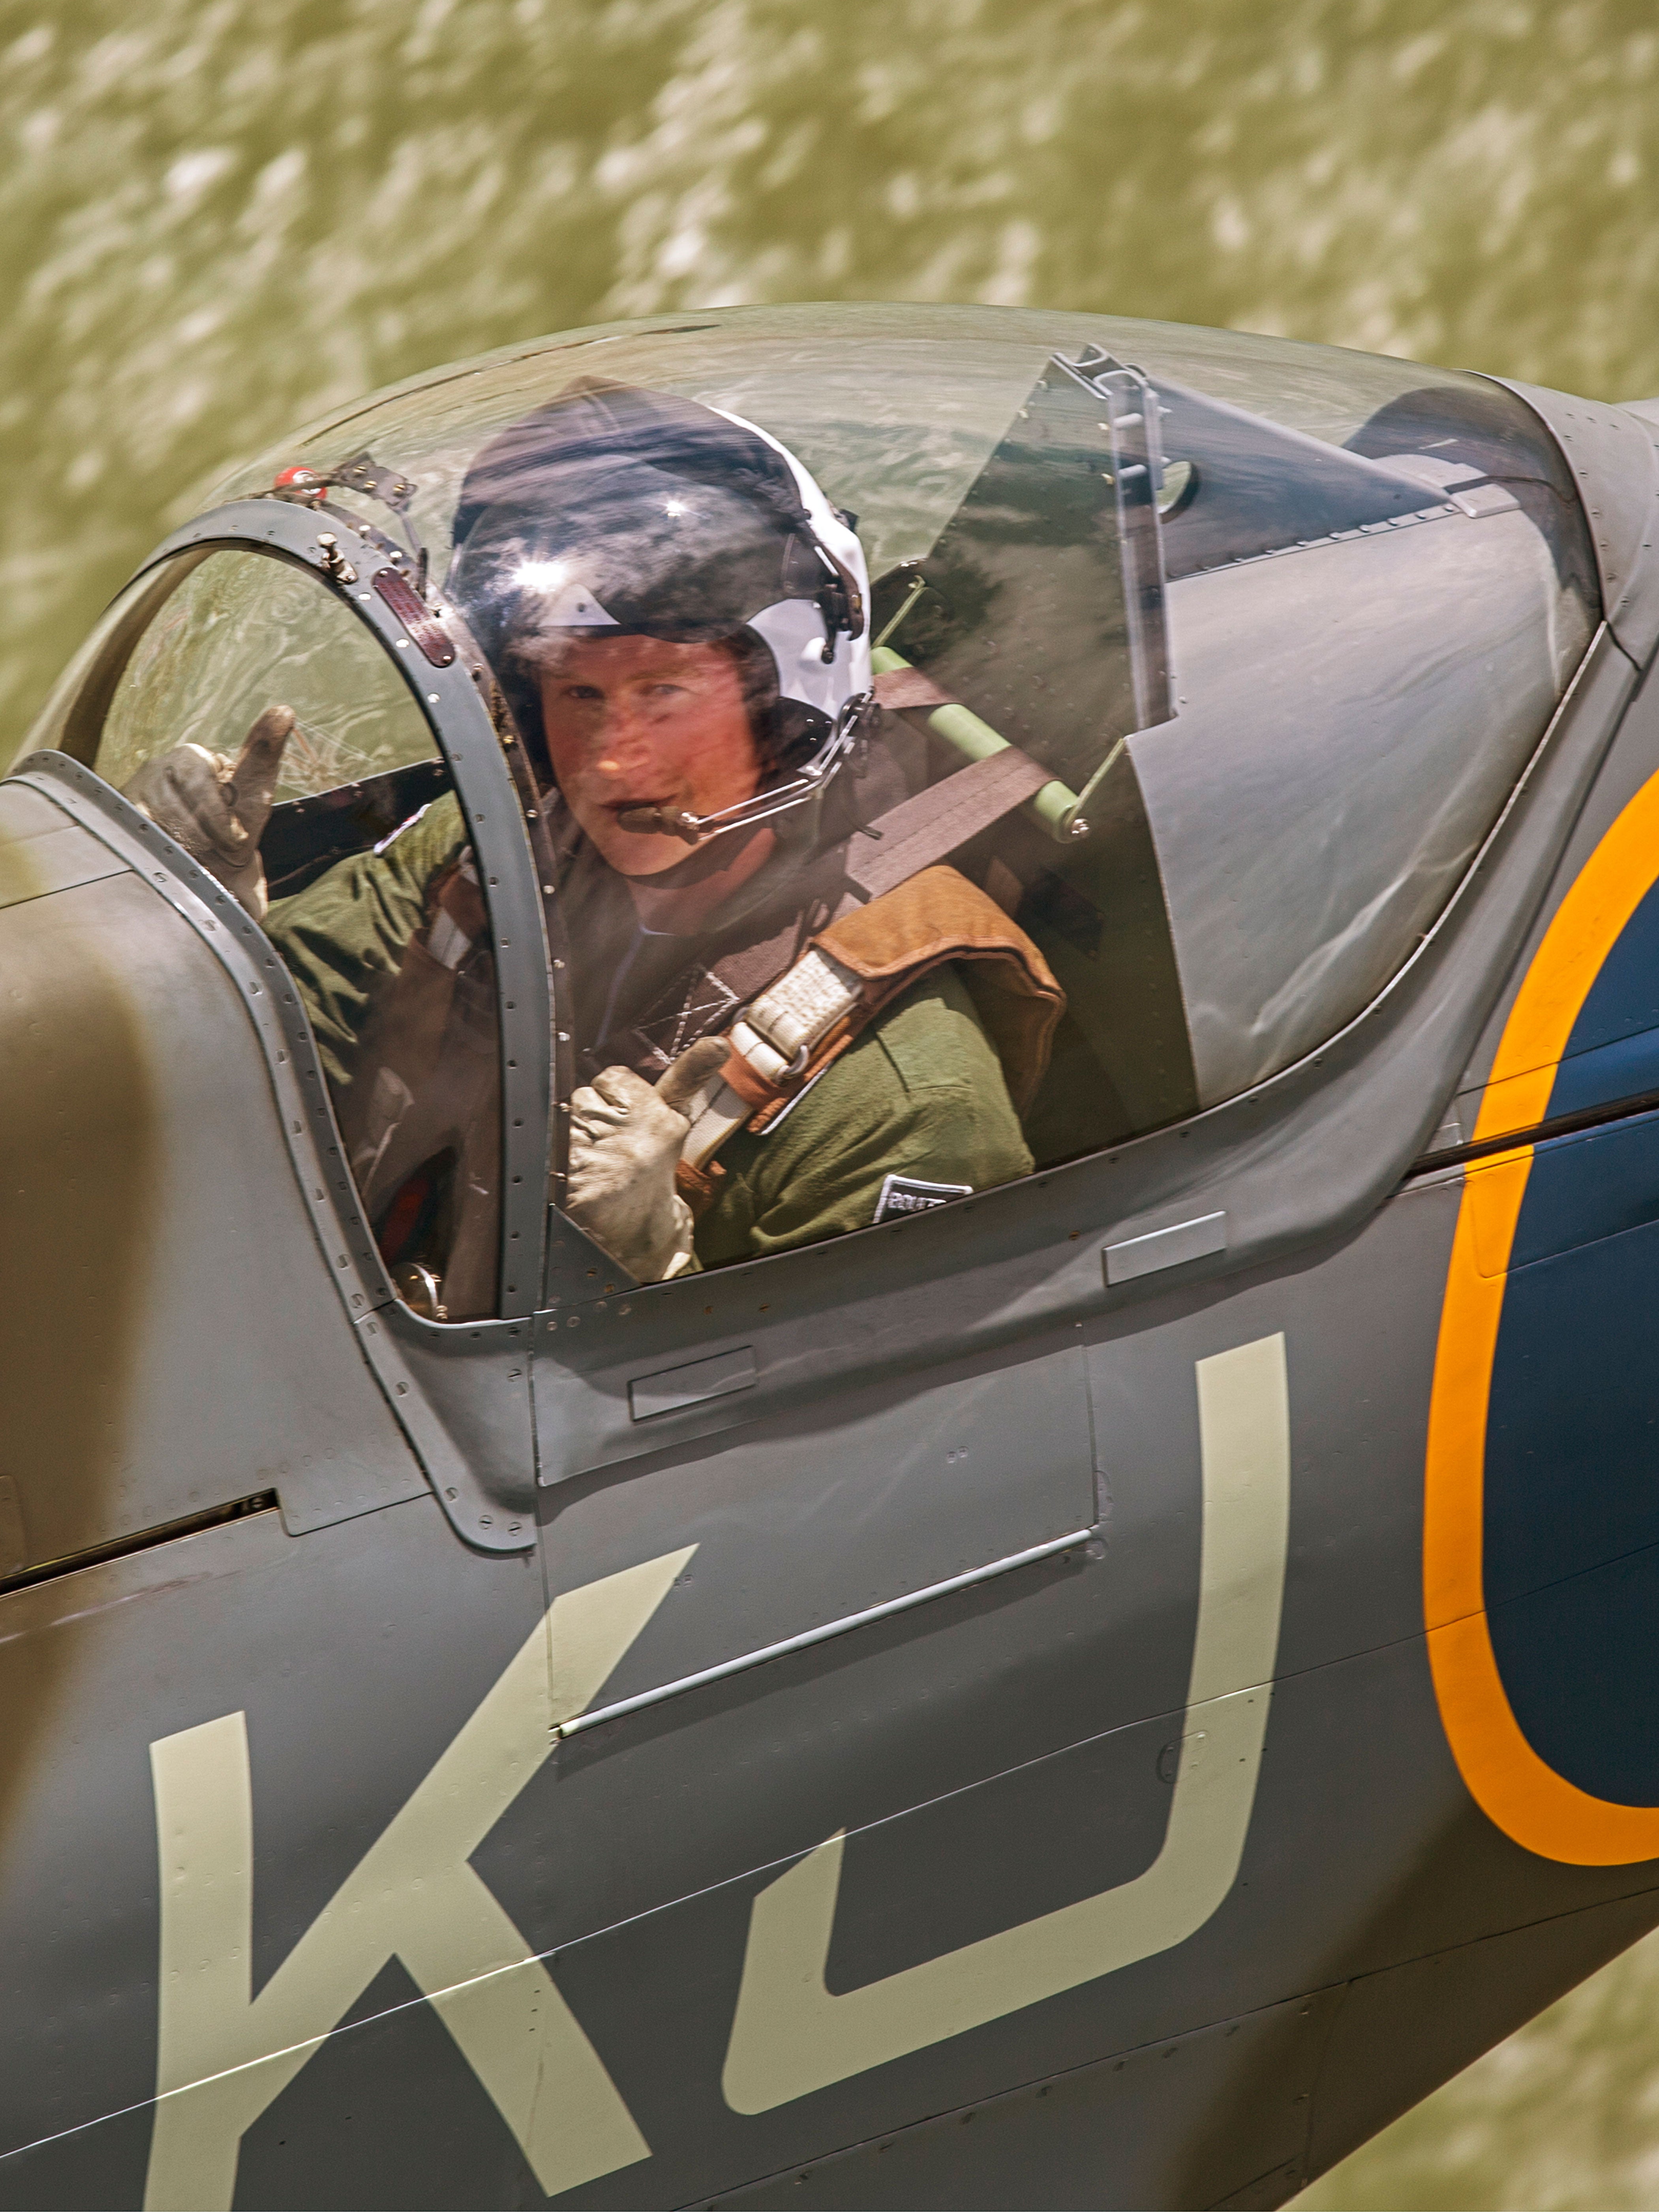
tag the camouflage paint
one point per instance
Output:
(77, 1202)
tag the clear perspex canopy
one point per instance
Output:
(1195, 667)
(1314, 616)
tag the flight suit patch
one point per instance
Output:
(905, 1194)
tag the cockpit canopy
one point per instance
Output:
(1269, 631)
(1286, 621)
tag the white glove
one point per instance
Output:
(217, 808)
(625, 1144)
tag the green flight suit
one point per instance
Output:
(343, 936)
(919, 1095)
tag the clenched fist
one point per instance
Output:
(217, 808)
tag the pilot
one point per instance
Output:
(762, 1056)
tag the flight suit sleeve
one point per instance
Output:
(343, 936)
(921, 1095)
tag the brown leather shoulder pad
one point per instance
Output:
(939, 916)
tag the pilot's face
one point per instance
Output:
(633, 722)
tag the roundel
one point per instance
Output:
(1541, 1509)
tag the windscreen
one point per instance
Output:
(1042, 600)
(233, 698)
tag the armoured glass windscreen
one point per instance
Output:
(234, 699)
(1042, 600)
(1204, 663)
(233, 625)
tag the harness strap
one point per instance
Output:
(905, 915)
(915, 834)
(906, 690)
(850, 972)
(927, 828)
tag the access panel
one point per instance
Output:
(807, 1516)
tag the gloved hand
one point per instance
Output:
(217, 808)
(625, 1146)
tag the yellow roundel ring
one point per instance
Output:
(1513, 1786)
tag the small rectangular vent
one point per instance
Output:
(1165, 1248)
(672, 1387)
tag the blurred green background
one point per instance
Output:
(218, 219)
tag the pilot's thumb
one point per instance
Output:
(257, 766)
(685, 1086)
